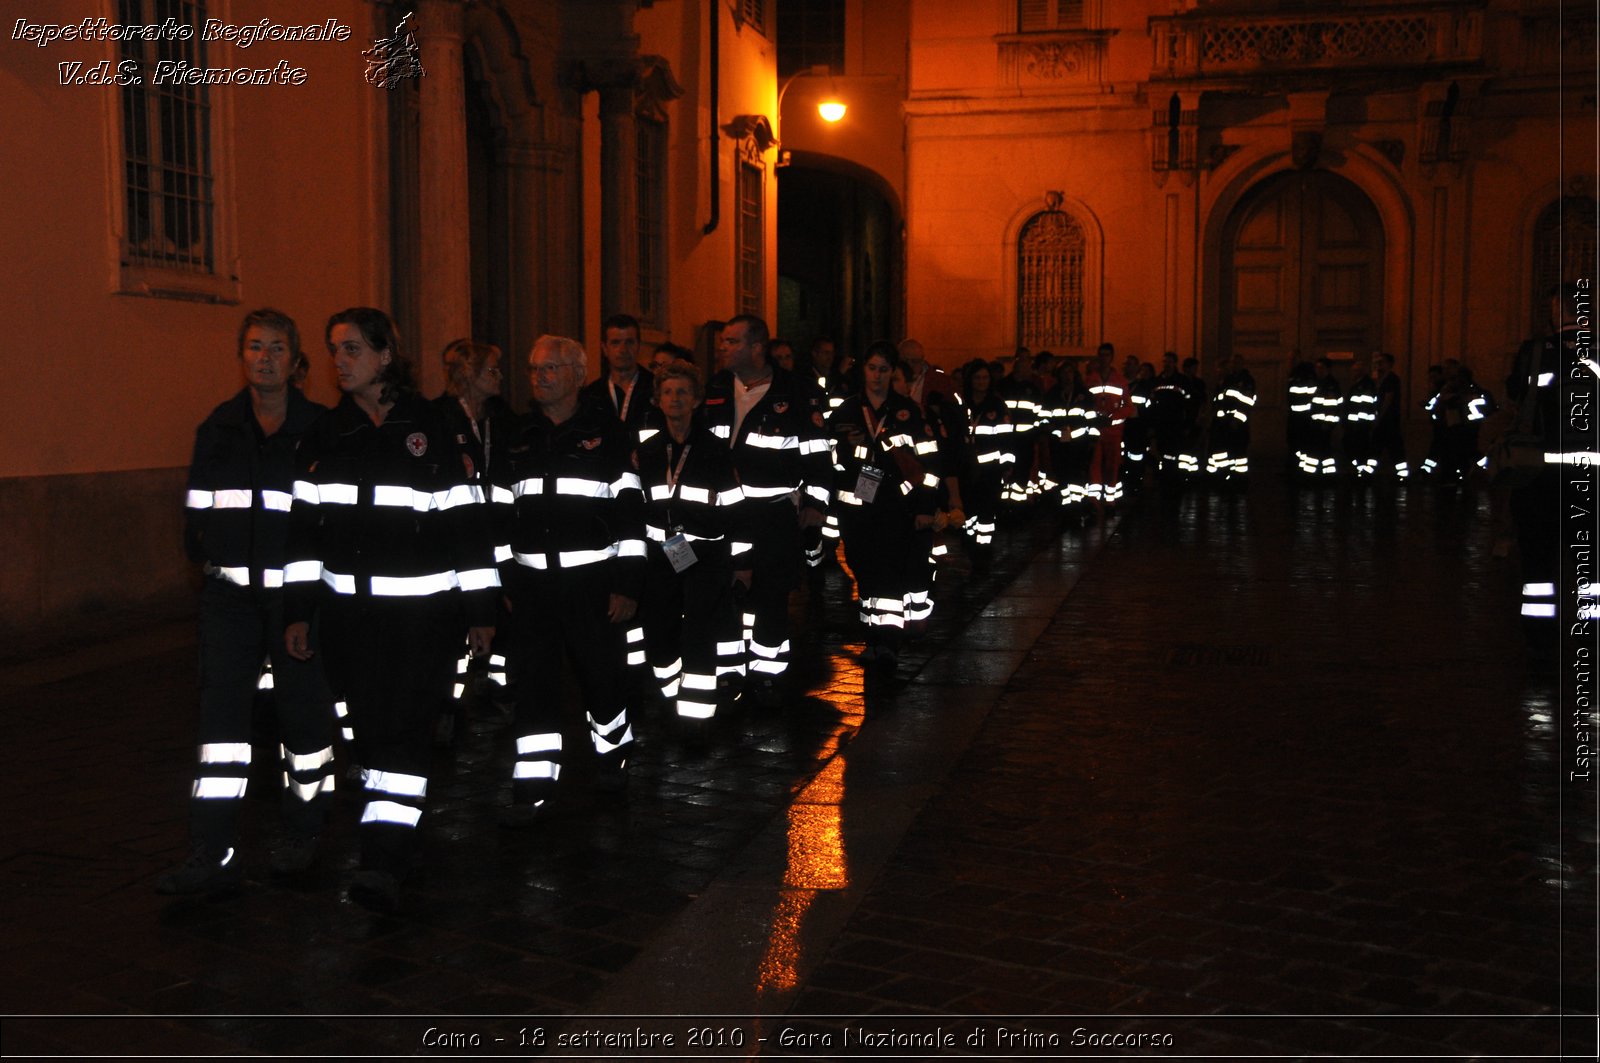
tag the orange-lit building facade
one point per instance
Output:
(1249, 177)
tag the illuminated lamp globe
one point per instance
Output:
(831, 110)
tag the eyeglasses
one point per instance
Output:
(549, 368)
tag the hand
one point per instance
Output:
(810, 517)
(297, 640)
(923, 520)
(479, 640)
(742, 578)
(621, 609)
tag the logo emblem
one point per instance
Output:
(780, 407)
(590, 444)
(903, 415)
(417, 443)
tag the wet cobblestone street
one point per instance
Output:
(1263, 773)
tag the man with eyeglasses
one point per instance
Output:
(572, 559)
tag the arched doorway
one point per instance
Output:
(1302, 271)
(838, 259)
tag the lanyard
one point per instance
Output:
(627, 397)
(481, 435)
(875, 425)
(674, 472)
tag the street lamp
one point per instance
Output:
(830, 109)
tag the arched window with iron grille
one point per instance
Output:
(1051, 253)
(1564, 249)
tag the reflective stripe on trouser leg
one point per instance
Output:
(341, 710)
(669, 677)
(307, 777)
(730, 657)
(224, 772)
(883, 612)
(698, 700)
(394, 799)
(537, 768)
(769, 660)
(917, 606)
(1539, 601)
(610, 737)
(634, 637)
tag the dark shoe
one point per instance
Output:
(376, 891)
(521, 817)
(611, 776)
(767, 693)
(294, 855)
(204, 872)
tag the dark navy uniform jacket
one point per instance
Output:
(241, 485)
(388, 512)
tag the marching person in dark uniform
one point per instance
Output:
(241, 484)
(572, 560)
(886, 495)
(625, 387)
(478, 418)
(1327, 412)
(390, 551)
(1074, 441)
(1554, 439)
(987, 456)
(1388, 440)
(1230, 421)
(696, 551)
(1360, 415)
(1298, 425)
(1167, 415)
(1198, 406)
(769, 419)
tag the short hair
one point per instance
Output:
(267, 317)
(972, 369)
(621, 321)
(567, 347)
(1106, 348)
(1191, 360)
(1042, 359)
(1386, 358)
(755, 329)
(380, 332)
(816, 344)
(779, 341)
(463, 359)
(681, 370)
(882, 347)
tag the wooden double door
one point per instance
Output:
(1302, 277)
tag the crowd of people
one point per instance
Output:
(373, 562)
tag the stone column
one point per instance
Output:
(446, 253)
(619, 242)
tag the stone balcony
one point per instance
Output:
(1204, 46)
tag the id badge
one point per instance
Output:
(679, 553)
(868, 482)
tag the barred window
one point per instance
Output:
(751, 264)
(1564, 249)
(166, 147)
(1035, 15)
(1050, 268)
(650, 163)
(810, 32)
(753, 13)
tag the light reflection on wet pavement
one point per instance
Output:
(1265, 754)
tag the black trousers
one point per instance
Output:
(391, 661)
(558, 616)
(240, 631)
